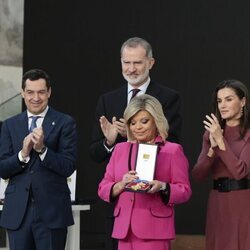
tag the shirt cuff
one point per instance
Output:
(165, 194)
(22, 159)
(42, 156)
(108, 149)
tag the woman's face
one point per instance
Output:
(230, 106)
(143, 128)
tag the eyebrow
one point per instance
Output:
(226, 96)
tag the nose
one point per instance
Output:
(138, 125)
(131, 67)
(36, 96)
(222, 104)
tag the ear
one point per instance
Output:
(22, 93)
(151, 63)
(49, 92)
(243, 102)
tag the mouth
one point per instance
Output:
(139, 133)
(36, 105)
(132, 76)
(224, 112)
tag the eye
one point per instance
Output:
(132, 123)
(42, 92)
(144, 121)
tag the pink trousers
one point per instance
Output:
(131, 242)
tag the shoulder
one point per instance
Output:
(121, 150)
(165, 95)
(123, 145)
(59, 115)
(162, 88)
(16, 118)
(171, 147)
(113, 93)
(247, 136)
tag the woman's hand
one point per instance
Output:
(156, 186)
(213, 143)
(212, 125)
(127, 178)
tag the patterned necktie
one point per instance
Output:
(134, 93)
(33, 123)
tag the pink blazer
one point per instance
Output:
(147, 214)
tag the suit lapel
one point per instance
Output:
(124, 96)
(153, 89)
(49, 123)
(121, 99)
(21, 128)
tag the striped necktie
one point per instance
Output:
(33, 122)
(134, 93)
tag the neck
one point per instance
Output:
(232, 123)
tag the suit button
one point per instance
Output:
(31, 171)
(132, 200)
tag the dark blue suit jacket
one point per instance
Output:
(48, 178)
(114, 103)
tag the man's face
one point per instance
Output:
(135, 65)
(36, 95)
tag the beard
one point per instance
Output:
(136, 80)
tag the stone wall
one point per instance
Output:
(11, 53)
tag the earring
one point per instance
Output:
(242, 110)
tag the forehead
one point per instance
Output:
(35, 85)
(142, 114)
(225, 92)
(133, 53)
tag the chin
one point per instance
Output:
(141, 140)
(134, 83)
(227, 118)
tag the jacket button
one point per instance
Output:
(31, 171)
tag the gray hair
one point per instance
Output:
(151, 105)
(135, 42)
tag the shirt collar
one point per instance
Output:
(143, 87)
(41, 114)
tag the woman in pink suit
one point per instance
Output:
(145, 220)
(226, 155)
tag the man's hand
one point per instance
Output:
(121, 127)
(27, 145)
(37, 139)
(109, 130)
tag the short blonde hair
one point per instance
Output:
(151, 105)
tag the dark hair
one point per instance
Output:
(35, 74)
(241, 91)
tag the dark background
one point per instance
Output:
(196, 45)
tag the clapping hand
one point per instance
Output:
(121, 127)
(109, 130)
(212, 125)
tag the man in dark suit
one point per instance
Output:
(109, 128)
(37, 206)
